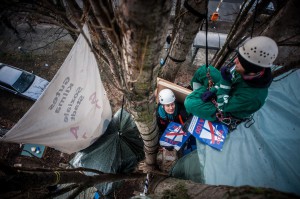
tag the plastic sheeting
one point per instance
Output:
(188, 167)
(214, 40)
(264, 155)
(118, 151)
(73, 111)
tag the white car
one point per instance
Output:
(21, 82)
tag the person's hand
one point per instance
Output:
(225, 72)
(207, 96)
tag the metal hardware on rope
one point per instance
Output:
(219, 114)
(249, 121)
(215, 15)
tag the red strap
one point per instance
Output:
(180, 120)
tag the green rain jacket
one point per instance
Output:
(242, 100)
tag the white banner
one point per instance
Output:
(73, 111)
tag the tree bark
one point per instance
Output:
(142, 24)
(189, 25)
(285, 30)
(177, 188)
(23, 181)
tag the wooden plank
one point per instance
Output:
(179, 91)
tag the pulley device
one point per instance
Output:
(215, 15)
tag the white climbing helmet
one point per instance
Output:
(261, 51)
(166, 96)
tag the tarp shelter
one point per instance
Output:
(214, 40)
(264, 155)
(73, 111)
(118, 151)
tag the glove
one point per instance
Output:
(207, 96)
(225, 72)
(187, 123)
(184, 114)
(169, 148)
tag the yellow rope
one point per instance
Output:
(57, 177)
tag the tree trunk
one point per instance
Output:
(177, 188)
(192, 16)
(159, 186)
(285, 30)
(142, 24)
(24, 181)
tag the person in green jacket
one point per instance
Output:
(238, 91)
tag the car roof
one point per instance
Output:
(9, 75)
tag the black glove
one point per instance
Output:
(184, 114)
(225, 72)
(207, 96)
(187, 123)
(169, 148)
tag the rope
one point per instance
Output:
(210, 80)
(57, 177)
(217, 9)
(121, 114)
(176, 60)
(146, 185)
(206, 31)
(219, 113)
(122, 110)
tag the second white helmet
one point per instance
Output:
(261, 51)
(166, 96)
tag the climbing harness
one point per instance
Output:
(215, 15)
(234, 122)
(219, 113)
(229, 121)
